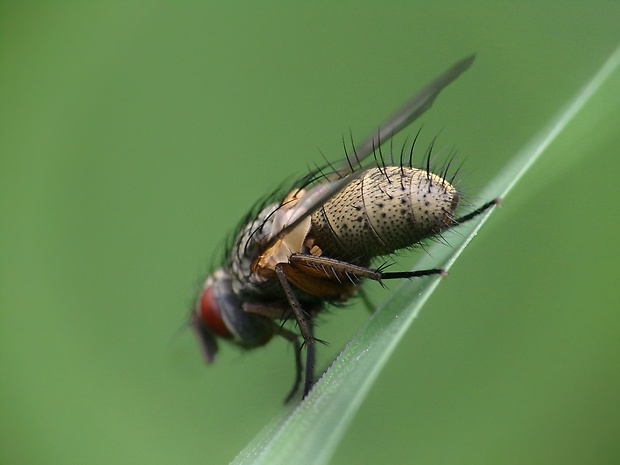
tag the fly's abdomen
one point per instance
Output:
(385, 210)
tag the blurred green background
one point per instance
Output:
(134, 136)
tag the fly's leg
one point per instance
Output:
(269, 313)
(304, 321)
(477, 211)
(348, 273)
(294, 339)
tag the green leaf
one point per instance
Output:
(310, 432)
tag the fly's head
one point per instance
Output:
(219, 314)
(206, 319)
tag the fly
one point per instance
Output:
(315, 246)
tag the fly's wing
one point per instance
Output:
(406, 115)
(343, 175)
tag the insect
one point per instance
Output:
(315, 246)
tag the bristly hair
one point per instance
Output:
(327, 172)
(276, 196)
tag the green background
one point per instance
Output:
(134, 136)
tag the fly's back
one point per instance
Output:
(385, 210)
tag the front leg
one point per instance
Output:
(304, 322)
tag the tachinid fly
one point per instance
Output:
(315, 246)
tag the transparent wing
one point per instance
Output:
(406, 115)
(344, 174)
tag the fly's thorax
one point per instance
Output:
(385, 210)
(256, 250)
(280, 251)
(248, 245)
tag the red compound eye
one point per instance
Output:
(211, 315)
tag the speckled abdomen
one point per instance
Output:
(385, 210)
